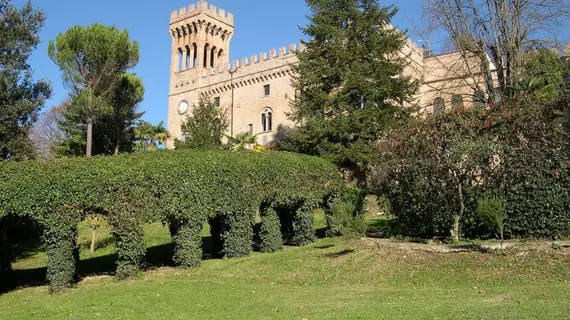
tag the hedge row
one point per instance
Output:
(183, 189)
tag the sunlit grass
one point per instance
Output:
(331, 279)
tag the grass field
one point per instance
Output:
(331, 279)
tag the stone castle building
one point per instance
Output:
(256, 91)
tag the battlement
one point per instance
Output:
(255, 63)
(202, 7)
(266, 63)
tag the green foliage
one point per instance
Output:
(351, 195)
(349, 83)
(129, 92)
(183, 188)
(21, 98)
(544, 75)
(205, 128)
(493, 213)
(187, 240)
(60, 236)
(270, 233)
(237, 234)
(514, 150)
(150, 137)
(242, 141)
(303, 225)
(93, 61)
(348, 220)
(114, 132)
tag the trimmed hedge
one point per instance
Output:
(183, 189)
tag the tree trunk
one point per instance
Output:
(93, 239)
(456, 217)
(117, 148)
(89, 141)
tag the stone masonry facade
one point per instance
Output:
(256, 92)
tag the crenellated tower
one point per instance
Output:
(201, 36)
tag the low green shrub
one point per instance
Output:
(348, 194)
(303, 225)
(271, 239)
(348, 219)
(187, 239)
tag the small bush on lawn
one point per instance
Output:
(348, 220)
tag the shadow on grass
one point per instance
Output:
(27, 249)
(328, 246)
(156, 257)
(339, 254)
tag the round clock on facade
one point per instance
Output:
(183, 108)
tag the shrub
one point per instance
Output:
(187, 240)
(303, 225)
(348, 219)
(492, 212)
(349, 194)
(270, 232)
(434, 170)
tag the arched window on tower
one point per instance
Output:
(188, 57)
(206, 54)
(213, 57)
(267, 120)
(438, 106)
(220, 54)
(456, 101)
(194, 55)
(180, 59)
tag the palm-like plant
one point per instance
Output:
(150, 137)
(243, 140)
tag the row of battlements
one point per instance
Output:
(283, 52)
(202, 7)
(253, 64)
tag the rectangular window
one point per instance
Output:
(217, 101)
(250, 128)
(267, 90)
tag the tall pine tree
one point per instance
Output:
(349, 81)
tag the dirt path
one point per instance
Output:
(449, 248)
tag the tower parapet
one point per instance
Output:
(205, 8)
(201, 36)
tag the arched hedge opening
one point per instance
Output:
(182, 189)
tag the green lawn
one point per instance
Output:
(331, 279)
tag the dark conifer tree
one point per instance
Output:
(349, 81)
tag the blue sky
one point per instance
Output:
(260, 25)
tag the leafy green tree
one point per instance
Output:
(349, 82)
(205, 128)
(150, 137)
(128, 94)
(21, 97)
(91, 60)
